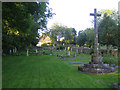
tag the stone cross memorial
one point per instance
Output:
(96, 65)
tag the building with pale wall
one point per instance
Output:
(44, 40)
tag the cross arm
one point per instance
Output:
(92, 14)
(98, 14)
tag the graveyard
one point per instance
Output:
(47, 70)
(61, 56)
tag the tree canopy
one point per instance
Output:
(59, 31)
(107, 31)
(21, 21)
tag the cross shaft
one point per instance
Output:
(96, 51)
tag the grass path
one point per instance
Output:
(49, 72)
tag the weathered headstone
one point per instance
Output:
(27, 53)
(81, 50)
(59, 49)
(40, 53)
(51, 50)
(76, 49)
(13, 51)
(65, 49)
(36, 50)
(71, 49)
(74, 54)
(10, 51)
(96, 65)
(68, 53)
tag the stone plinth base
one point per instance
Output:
(96, 68)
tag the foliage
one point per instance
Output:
(21, 21)
(44, 45)
(81, 39)
(58, 31)
(61, 47)
(112, 13)
(109, 59)
(86, 37)
(89, 37)
(107, 31)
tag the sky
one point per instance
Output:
(76, 13)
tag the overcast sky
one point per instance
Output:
(76, 13)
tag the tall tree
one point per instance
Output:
(57, 32)
(89, 37)
(74, 35)
(107, 31)
(21, 21)
(81, 39)
(69, 37)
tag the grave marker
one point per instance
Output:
(96, 65)
(65, 49)
(68, 53)
(27, 52)
(40, 53)
(76, 49)
(10, 51)
(74, 54)
(71, 49)
(36, 50)
(13, 51)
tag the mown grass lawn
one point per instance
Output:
(50, 72)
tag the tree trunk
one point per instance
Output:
(108, 48)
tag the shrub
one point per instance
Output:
(91, 51)
(51, 44)
(108, 59)
(61, 47)
(44, 45)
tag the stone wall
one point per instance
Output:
(81, 50)
(114, 52)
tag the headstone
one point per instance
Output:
(10, 51)
(71, 49)
(65, 49)
(40, 53)
(76, 49)
(68, 53)
(57, 54)
(74, 54)
(96, 65)
(59, 49)
(36, 50)
(51, 51)
(13, 51)
(27, 53)
(81, 50)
